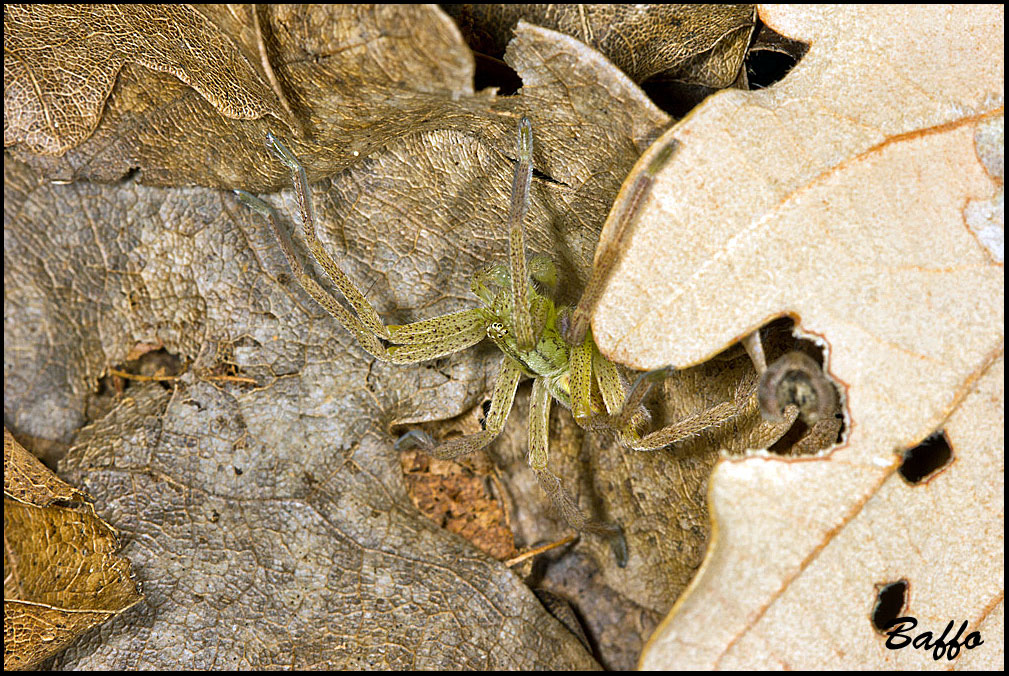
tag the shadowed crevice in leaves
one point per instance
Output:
(678, 54)
(771, 56)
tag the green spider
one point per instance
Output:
(551, 344)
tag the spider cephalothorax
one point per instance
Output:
(549, 343)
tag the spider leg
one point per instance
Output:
(521, 315)
(580, 380)
(539, 440)
(328, 302)
(628, 415)
(613, 240)
(630, 420)
(420, 341)
(461, 330)
(367, 314)
(755, 349)
(500, 406)
(611, 385)
(683, 429)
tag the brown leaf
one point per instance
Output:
(372, 76)
(61, 574)
(61, 62)
(272, 520)
(695, 44)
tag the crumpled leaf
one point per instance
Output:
(61, 574)
(852, 197)
(358, 76)
(271, 522)
(695, 44)
(61, 62)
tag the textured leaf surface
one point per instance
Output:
(62, 575)
(862, 196)
(267, 514)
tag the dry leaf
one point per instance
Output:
(271, 519)
(696, 44)
(358, 78)
(61, 62)
(29, 481)
(807, 601)
(859, 196)
(61, 574)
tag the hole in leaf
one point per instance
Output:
(927, 458)
(145, 362)
(891, 598)
(779, 338)
(765, 67)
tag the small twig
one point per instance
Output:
(539, 550)
(137, 376)
(234, 379)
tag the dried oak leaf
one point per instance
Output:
(695, 44)
(862, 196)
(354, 77)
(61, 574)
(271, 524)
(62, 61)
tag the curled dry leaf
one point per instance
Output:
(62, 61)
(355, 78)
(61, 574)
(858, 195)
(694, 44)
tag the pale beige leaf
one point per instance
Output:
(858, 196)
(780, 590)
